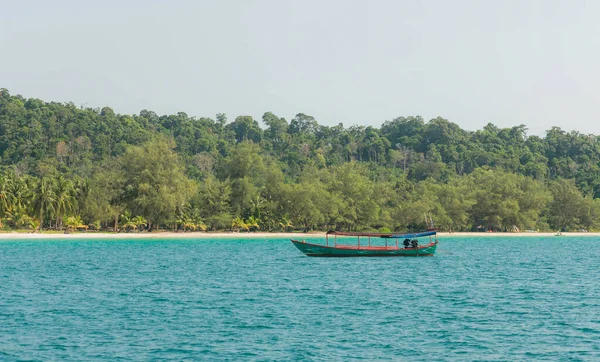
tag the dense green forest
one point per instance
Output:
(64, 166)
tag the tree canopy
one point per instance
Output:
(63, 165)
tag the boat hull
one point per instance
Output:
(355, 251)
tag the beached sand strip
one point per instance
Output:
(155, 235)
(249, 235)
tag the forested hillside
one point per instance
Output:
(66, 166)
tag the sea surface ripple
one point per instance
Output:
(478, 299)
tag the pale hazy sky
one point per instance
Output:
(358, 62)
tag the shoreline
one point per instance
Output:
(248, 235)
(519, 234)
(155, 235)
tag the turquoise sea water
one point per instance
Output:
(255, 299)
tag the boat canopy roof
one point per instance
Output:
(385, 235)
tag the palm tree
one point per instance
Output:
(64, 200)
(188, 223)
(96, 225)
(34, 223)
(81, 189)
(252, 222)
(238, 223)
(181, 217)
(6, 196)
(127, 221)
(139, 221)
(73, 223)
(196, 219)
(17, 217)
(43, 201)
(20, 191)
(192, 221)
(185, 221)
(285, 223)
(200, 225)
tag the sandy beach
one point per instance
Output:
(249, 235)
(521, 234)
(155, 235)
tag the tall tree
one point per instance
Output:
(154, 181)
(44, 199)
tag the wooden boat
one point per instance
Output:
(395, 245)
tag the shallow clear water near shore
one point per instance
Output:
(510, 298)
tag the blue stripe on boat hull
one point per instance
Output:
(364, 255)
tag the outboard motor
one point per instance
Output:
(414, 243)
(406, 243)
